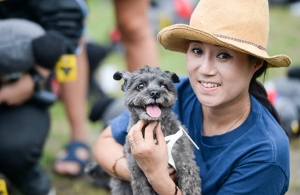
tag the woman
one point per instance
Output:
(243, 149)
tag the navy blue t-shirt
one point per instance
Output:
(252, 159)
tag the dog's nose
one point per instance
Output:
(154, 94)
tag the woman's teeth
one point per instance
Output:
(210, 85)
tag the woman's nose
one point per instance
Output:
(207, 66)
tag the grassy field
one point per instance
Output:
(284, 38)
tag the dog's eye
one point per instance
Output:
(140, 86)
(164, 86)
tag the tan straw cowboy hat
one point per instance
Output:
(241, 25)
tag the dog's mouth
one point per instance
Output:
(153, 110)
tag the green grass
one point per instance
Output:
(284, 38)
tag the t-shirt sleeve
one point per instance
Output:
(119, 127)
(255, 178)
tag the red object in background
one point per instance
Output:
(183, 8)
(272, 96)
(115, 35)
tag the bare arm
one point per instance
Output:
(106, 151)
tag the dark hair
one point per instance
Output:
(258, 90)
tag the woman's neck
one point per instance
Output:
(217, 121)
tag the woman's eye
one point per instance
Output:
(140, 86)
(224, 56)
(197, 51)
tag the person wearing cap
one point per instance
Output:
(243, 148)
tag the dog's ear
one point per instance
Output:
(118, 75)
(174, 76)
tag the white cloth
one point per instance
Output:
(171, 140)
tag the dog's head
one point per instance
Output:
(149, 91)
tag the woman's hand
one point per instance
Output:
(18, 92)
(151, 157)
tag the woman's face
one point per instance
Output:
(219, 76)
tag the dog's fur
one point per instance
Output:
(146, 86)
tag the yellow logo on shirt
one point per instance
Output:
(66, 68)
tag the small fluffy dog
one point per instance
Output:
(150, 94)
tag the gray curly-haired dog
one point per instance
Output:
(150, 94)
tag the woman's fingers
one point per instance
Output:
(135, 133)
(149, 139)
(159, 135)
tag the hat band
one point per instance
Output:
(240, 40)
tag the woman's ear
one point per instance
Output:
(257, 63)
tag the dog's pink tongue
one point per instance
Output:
(153, 110)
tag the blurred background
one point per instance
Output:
(284, 38)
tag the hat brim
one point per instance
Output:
(178, 36)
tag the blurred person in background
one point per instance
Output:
(24, 102)
(134, 27)
(63, 22)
